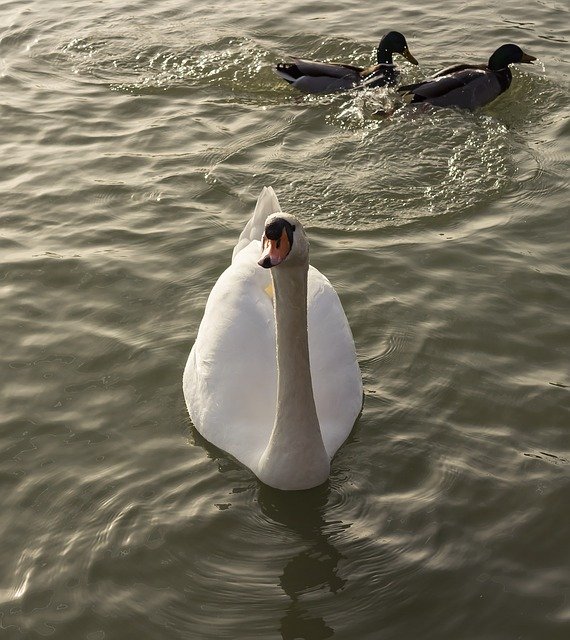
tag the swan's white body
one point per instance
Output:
(231, 377)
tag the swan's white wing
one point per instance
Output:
(230, 380)
(337, 382)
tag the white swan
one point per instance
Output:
(283, 417)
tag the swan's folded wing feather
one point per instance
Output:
(230, 380)
(336, 377)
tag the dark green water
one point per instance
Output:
(136, 138)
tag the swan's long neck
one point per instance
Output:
(295, 457)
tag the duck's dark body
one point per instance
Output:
(463, 86)
(468, 86)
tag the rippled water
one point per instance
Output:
(136, 138)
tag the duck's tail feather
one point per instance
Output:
(267, 204)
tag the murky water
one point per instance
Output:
(135, 140)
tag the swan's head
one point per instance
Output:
(284, 240)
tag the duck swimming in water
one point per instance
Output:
(328, 77)
(468, 86)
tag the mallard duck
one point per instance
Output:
(468, 86)
(273, 377)
(327, 77)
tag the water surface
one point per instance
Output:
(136, 139)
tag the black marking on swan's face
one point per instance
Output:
(274, 230)
(277, 242)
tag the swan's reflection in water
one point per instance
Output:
(312, 569)
(314, 565)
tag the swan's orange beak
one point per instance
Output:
(274, 252)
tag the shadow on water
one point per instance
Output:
(315, 568)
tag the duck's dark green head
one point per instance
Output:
(393, 42)
(506, 55)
